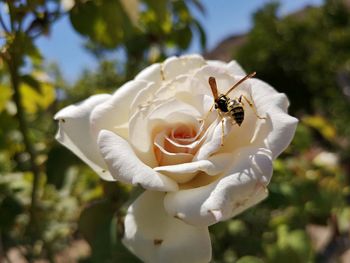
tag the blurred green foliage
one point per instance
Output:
(49, 198)
(304, 191)
(305, 55)
(145, 29)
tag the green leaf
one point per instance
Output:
(160, 9)
(95, 225)
(33, 100)
(83, 16)
(184, 37)
(59, 159)
(291, 246)
(31, 81)
(98, 224)
(5, 96)
(249, 259)
(10, 208)
(105, 22)
(31, 50)
(303, 138)
(199, 5)
(322, 125)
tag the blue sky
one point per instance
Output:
(223, 18)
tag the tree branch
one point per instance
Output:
(12, 19)
(23, 127)
(13, 57)
(2, 22)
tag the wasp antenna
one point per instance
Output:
(240, 81)
(212, 81)
(213, 87)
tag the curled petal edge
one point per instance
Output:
(74, 132)
(125, 166)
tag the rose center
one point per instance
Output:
(183, 132)
(176, 144)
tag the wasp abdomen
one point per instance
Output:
(237, 113)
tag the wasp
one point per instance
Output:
(233, 108)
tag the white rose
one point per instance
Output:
(153, 132)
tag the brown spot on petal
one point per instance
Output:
(157, 242)
(63, 120)
(240, 203)
(179, 216)
(162, 75)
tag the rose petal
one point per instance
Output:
(113, 115)
(74, 133)
(233, 68)
(143, 98)
(175, 66)
(154, 236)
(251, 170)
(239, 206)
(151, 73)
(124, 165)
(189, 90)
(180, 132)
(224, 79)
(212, 166)
(173, 107)
(140, 136)
(213, 140)
(143, 123)
(166, 157)
(280, 127)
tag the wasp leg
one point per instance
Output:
(222, 128)
(252, 106)
(207, 115)
(222, 132)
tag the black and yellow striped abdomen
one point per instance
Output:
(237, 112)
